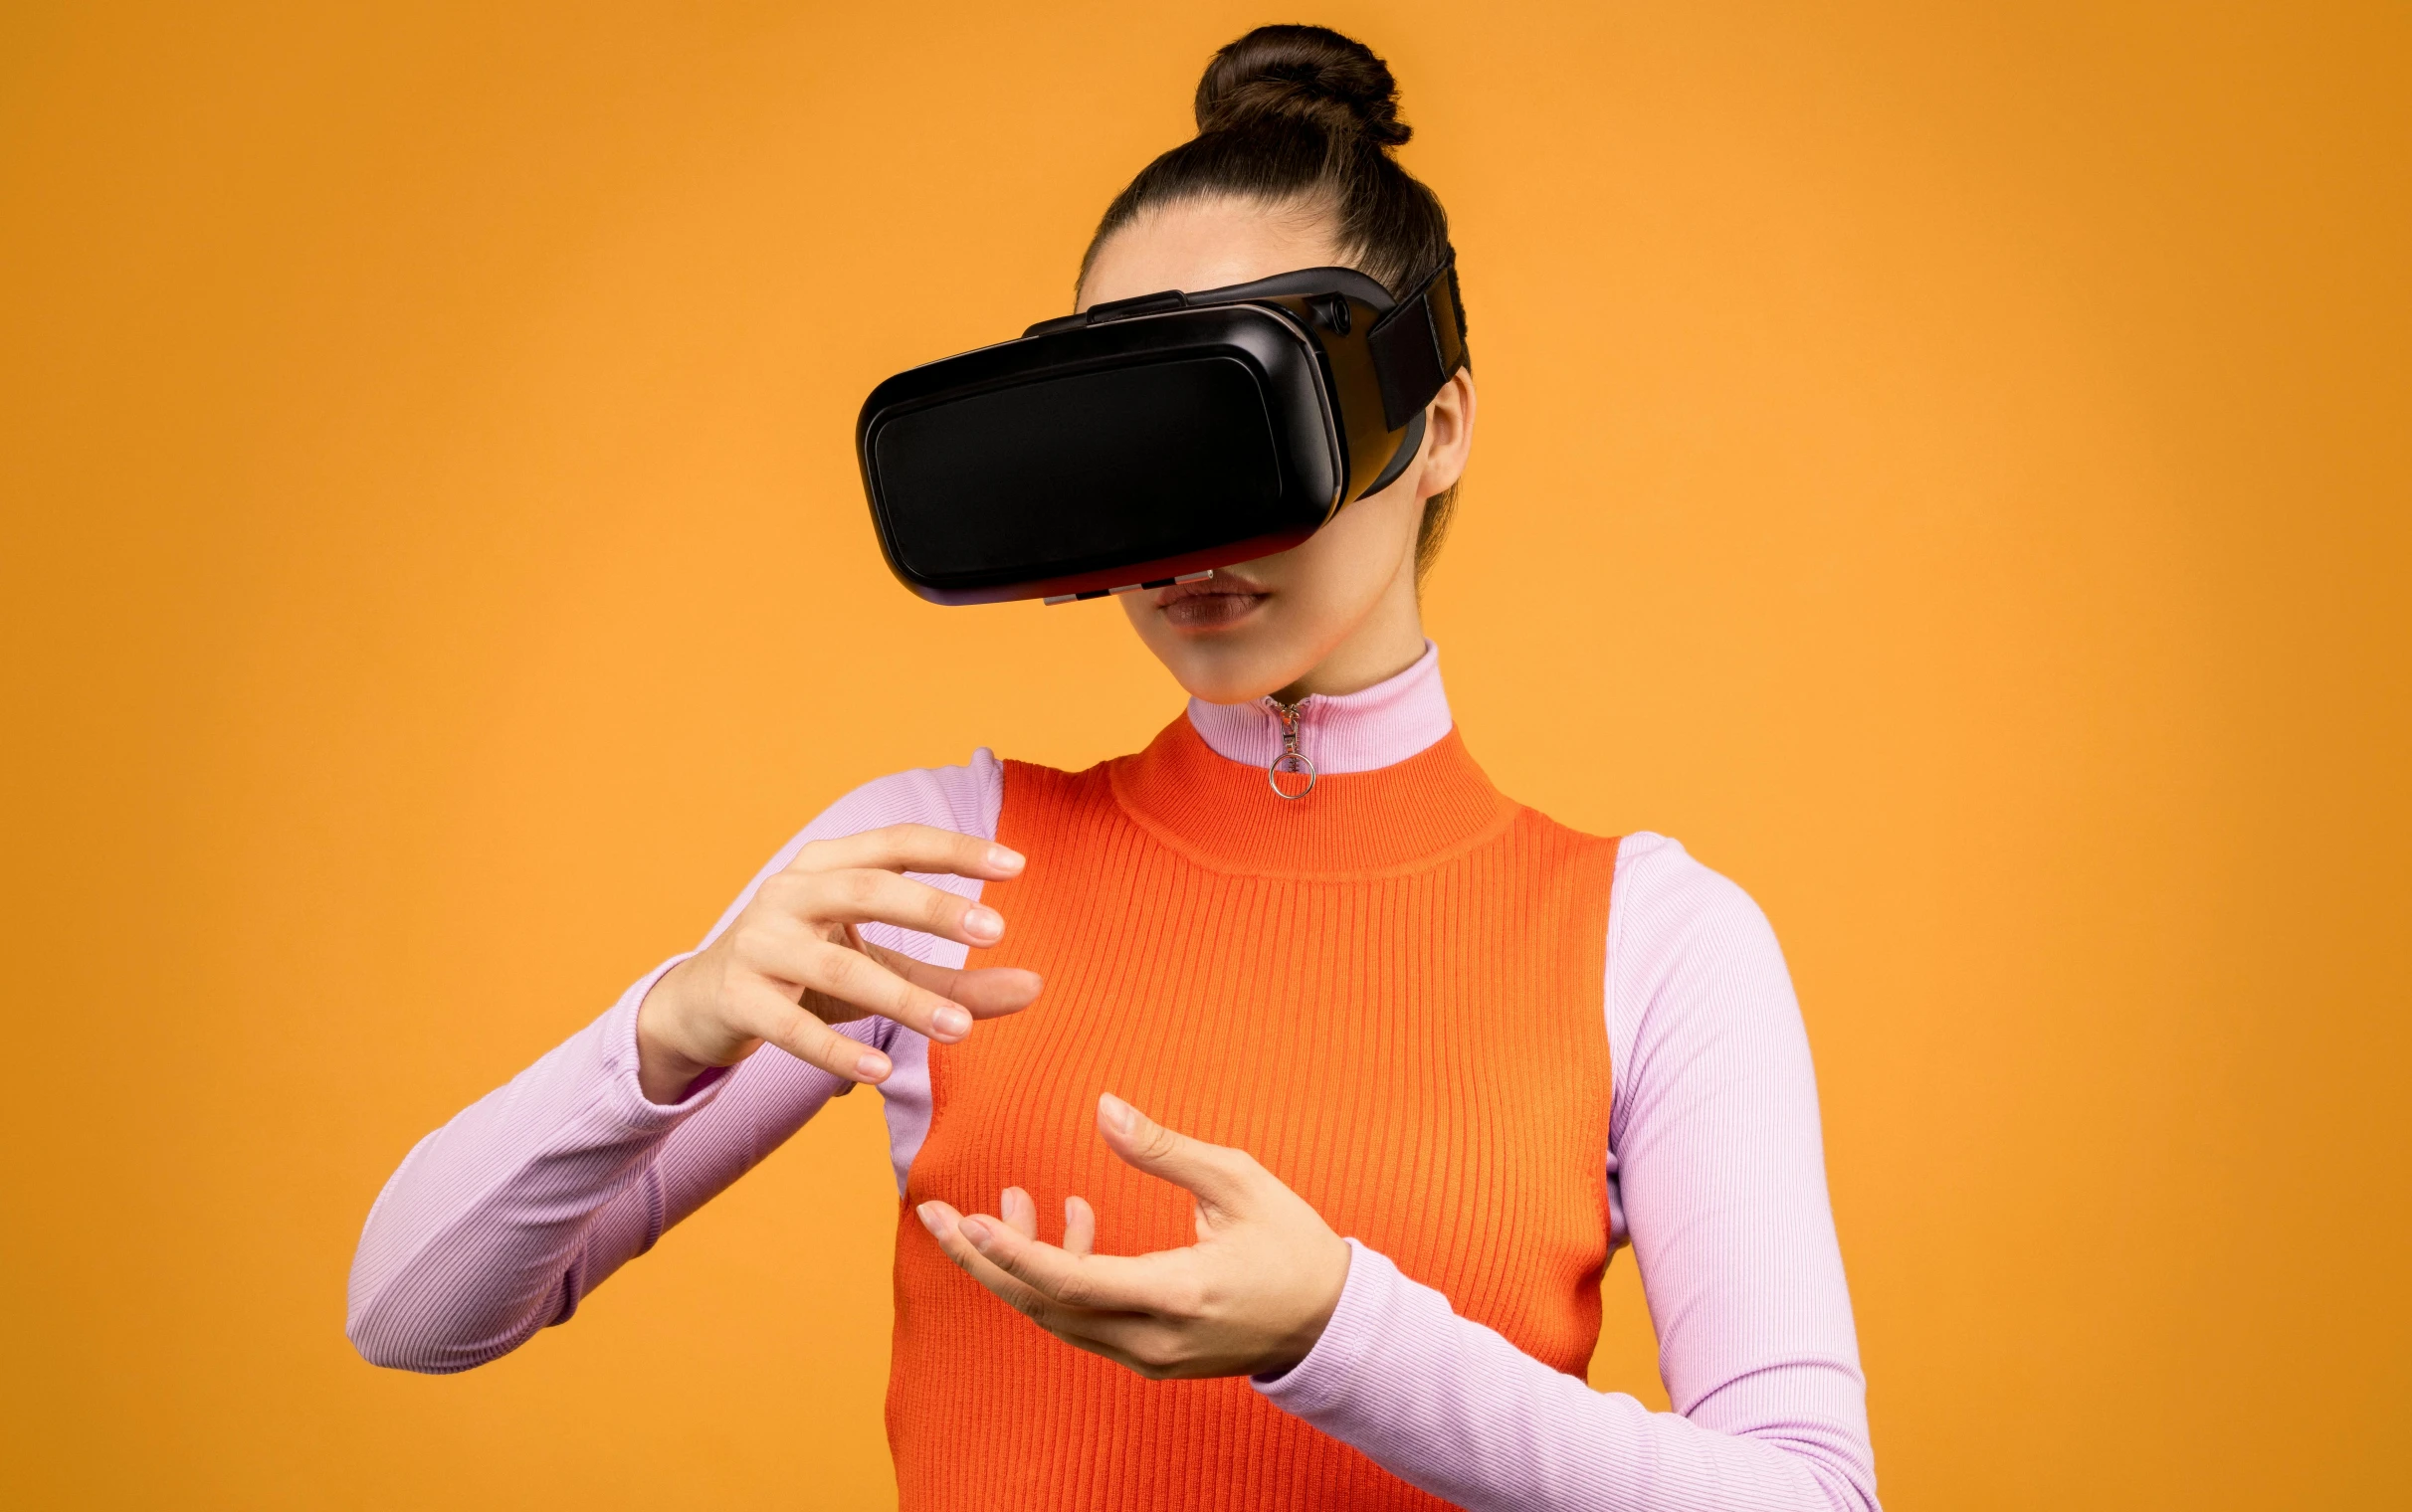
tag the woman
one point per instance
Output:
(1404, 1061)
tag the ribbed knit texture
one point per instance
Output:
(1389, 993)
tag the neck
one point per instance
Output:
(1385, 644)
(1224, 812)
(1363, 731)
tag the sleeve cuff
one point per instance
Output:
(623, 1097)
(1341, 1358)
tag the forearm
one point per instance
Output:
(1723, 1184)
(1451, 1407)
(501, 1221)
(466, 1253)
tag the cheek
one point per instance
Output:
(1345, 565)
(1322, 591)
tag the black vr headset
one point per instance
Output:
(1149, 441)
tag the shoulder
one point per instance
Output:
(1040, 792)
(1562, 847)
(1696, 979)
(1665, 897)
(952, 798)
(960, 798)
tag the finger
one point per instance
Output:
(912, 847)
(987, 991)
(1136, 1341)
(1015, 1205)
(1079, 1227)
(1222, 1178)
(768, 1015)
(946, 1226)
(867, 895)
(856, 979)
(788, 951)
(1163, 1283)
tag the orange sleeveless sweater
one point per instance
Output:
(1389, 992)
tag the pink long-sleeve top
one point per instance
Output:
(498, 1223)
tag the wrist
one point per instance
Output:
(665, 1070)
(1334, 1274)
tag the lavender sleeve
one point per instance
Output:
(1716, 1172)
(498, 1223)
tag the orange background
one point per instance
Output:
(1949, 464)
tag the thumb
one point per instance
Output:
(1218, 1174)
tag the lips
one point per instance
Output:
(1219, 599)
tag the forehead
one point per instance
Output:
(1206, 244)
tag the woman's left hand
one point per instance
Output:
(1249, 1298)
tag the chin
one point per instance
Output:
(1217, 680)
(1227, 646)
(1230, 666)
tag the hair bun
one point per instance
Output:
(1302, 72)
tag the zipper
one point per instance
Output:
(1292, 761)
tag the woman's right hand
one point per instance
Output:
(795, 962)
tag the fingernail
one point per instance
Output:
(1119, 1115)
(950, 1023)
(870, 1066)
(1004, 859)
(983, 923)
(929, 1215)
(976, 1231)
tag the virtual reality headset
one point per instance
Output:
(1148, 441)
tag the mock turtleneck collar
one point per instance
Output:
(1227, 816)
(1363, 731)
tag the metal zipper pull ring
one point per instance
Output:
(1292, 761)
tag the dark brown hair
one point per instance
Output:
(1303, 115)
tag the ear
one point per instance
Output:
(1448, 435)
